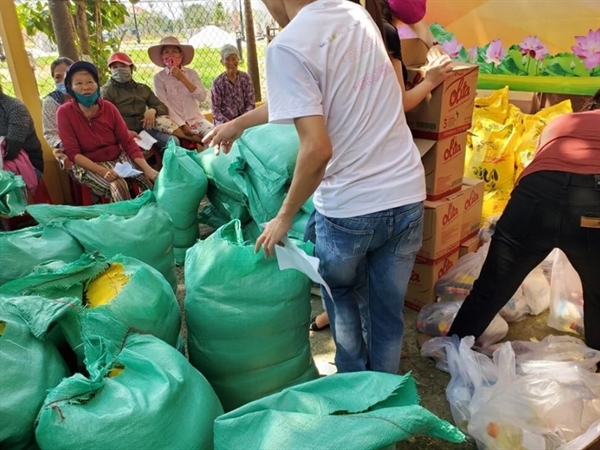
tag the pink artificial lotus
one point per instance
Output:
(495, 52)
(534, 48)
(472, 55)
(452, 48)
(588, 49)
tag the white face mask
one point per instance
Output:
(121, 74)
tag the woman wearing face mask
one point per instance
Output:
(95, 137)
(136, 102)
(179, 87)
(50, 106)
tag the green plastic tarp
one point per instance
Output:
(30, 365)
(23, 250)
(12, 195)
(247, 320)
(351, 411)
(141, 393)
(179, 188)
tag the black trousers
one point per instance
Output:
(547, 209)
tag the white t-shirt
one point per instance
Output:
(331, 60)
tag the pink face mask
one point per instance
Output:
(172, 61)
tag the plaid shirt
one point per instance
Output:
(231, 100)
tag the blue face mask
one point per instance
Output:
(60, 87)
(87, 100)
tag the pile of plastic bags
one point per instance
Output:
(530, 396)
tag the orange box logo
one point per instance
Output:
(472, 200)
(415, 278)
(445, 268)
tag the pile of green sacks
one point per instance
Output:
(137, 228)
(132, 385)
(251, 181)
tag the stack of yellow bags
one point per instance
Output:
(501, 143)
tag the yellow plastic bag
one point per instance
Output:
(495, 106)
(494, 203)
(530, 129)
(490, 151)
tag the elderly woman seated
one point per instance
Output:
(232, 92)
(95, 138)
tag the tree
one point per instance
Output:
(219, 15)
(82, 27)
(62, 24)
(196, 15)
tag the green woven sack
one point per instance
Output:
(141, 393)
(180, 187)
(122, 288)
(351, 411)
(216, 168)
(23, 250)
(136, 228)
(30, 365)
(247, 320)
(12, 194)
(223, 209)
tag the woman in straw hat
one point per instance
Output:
(179, 88)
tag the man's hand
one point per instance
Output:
(222, 136)
(132, 134)
(274, 232)
(438, 70)
(149, 118)
(110, 174)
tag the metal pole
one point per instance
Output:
(137, 30)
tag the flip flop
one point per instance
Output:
(314, 327)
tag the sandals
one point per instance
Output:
(314, 327)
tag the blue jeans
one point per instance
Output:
(162, 139)
(367, 262)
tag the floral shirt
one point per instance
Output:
(231, 100)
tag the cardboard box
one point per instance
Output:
(472, 192)
(441, 228)
(421, 286)
(448, 110)
(444, 164)
(469, 246)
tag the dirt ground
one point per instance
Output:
(431, 382)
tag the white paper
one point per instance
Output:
(292, 257)
(125, 170)
(144, 140)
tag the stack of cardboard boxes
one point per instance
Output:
(453, 208)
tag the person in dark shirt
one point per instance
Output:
(16, 125)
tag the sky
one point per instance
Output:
(173, 8)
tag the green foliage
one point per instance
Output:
(219, 16)
(35, 17)
(197, 15)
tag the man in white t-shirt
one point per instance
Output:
(329, 73)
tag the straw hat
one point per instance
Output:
(155, 52)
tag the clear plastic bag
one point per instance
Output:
(456, 284)
(435, 319)
(532, 297)
(554, 352)
(566, 297)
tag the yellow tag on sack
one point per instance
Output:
(116, 371)
(2, 327)
(107, 285)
